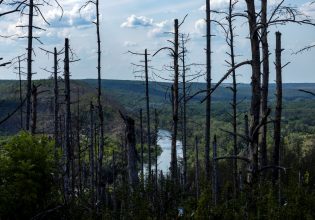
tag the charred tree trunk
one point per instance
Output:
(148, 113)
(21, 99)
(91, 152)
(56, 102)
(34, 109)
(100, 107)
(208, 101)
(184, 113)
(278, 111)
(175, 104)
(68, 114)
(29, 63)
(78, 143)
(234, 90)
(131, 151)
(197, 168)
(156, 124)
(141, 143)
(215, 175)
(265, 81)
(256, 93)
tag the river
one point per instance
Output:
(165, 142)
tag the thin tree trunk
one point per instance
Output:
(208, 101)
(256, 89)
(29, 64)
(234, 103)
(141, 143)
(197, 168)
(131, 152)
(265, 83)
(278, 111)
(21, 99)
(215, 174)
(91, 149)
(68, 112)
(148, 113)
(175, 104)
(184, 113)
(156, 124)
(100, 107)
(78, 142)
(34, 109)
(56, 103)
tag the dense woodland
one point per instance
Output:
(88, 149)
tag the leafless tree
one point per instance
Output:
(278, 111)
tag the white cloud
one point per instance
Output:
(200, 26)
(160, 29)
(71, 17)
(308, 9)
(130, 44)
(134, 21)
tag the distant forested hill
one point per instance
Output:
(299, 107)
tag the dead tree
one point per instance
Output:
(230, 42)
(175, 102)
(17, 6)
(56, 102)
(197, 168)
(34, 109)
(147, 99)
(131, 151)
(148, 112)
(156, 127)
(184, 110)
(91, 152)
(256, 89)
(141, 143)
(215, 172)
(265, 80)
(278, 110)
(68, 147)
(208, 99)
(29, 62)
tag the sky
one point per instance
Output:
(136, 25)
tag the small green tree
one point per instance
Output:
(26, 176)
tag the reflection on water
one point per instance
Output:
(165, 142)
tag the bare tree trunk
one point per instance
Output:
(256, 93)
(208, 101)
(91, 149)
(215, 177)
(156, 124)
(278, 111)
(265, 83)
(131, 155)
(148, 113)
(34, 109)
(100, 107)
(56, 102)
(21, 99)
(141, 143)
(234, 102)
(175, 104)
(197, 168)
(29, 64)
(78, 142)
(184, 113)
(68, 112)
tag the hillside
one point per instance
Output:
(81, 96)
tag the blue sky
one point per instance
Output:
(139, 24)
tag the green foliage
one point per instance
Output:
(26, 176)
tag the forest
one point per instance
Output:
(177, 141)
